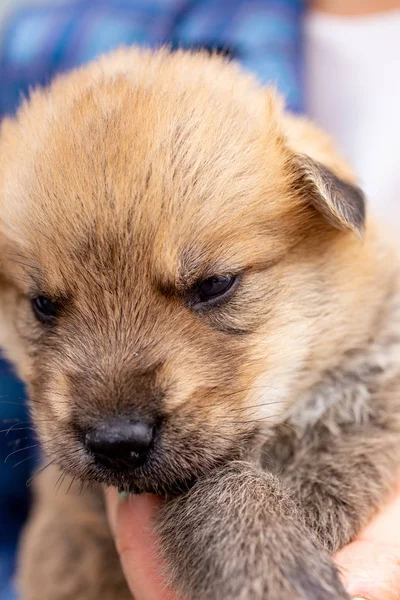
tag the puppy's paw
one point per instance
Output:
(238, 535)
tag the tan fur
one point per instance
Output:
(122, 185)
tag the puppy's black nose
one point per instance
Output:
(120, 443)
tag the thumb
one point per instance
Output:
(370, 565)
(131, 522)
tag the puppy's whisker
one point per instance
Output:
(31, 457)
(259, 420)
(19, 440)
(17, 427)
(20, 450)
(12, 402)
(253, 406)
(41, 470)
(7, 431)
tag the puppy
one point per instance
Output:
(200, 308)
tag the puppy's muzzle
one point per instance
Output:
(120, 444)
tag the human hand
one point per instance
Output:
(131, 523)
(370, 565)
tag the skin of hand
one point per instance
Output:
(354, 8)
(370, 566)
(130, 520)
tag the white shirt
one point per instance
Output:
(352, 67)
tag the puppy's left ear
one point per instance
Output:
(341, 204)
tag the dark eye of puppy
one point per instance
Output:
(44, 309)
(212, 291)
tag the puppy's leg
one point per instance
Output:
(341, 473)
(67, 552)
(237, 534)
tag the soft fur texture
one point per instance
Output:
(123, 185)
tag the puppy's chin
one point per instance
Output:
(164, 476)
(144, 486)
(141, 482)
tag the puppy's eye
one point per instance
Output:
(45, 309)
(212, 291)
(214, 286)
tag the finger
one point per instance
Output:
(131, 521)
(112, 506)
(370, 566)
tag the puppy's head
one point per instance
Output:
(176, 264)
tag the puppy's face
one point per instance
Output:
(167, 276)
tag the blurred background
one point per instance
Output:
(337, 61)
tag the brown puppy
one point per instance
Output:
(185, 291)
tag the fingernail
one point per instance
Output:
(123, 495)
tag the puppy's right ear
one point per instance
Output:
(341, 204)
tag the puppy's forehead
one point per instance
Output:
(137, 172)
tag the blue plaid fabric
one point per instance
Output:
(15, 468)
(263, 35)
(35, 44)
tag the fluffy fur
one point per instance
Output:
(123, 185)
